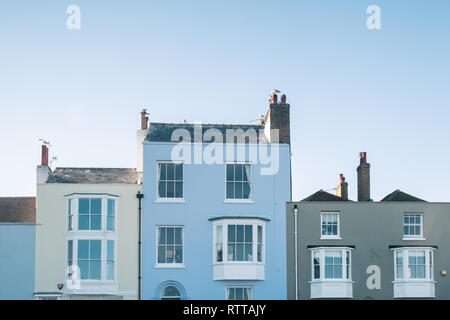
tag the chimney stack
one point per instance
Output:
(43, 170)
(278, 118)
(44, 156)
(342, 188)
(144, 119)
(140, 136)
(363, 178)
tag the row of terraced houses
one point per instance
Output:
(208, 214)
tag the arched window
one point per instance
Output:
(170, 292)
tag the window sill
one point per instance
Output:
(242, 201)
(170, 266)
(330, 238)
(170, 201)
(413, 238)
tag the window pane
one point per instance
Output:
(70, 250)
(179, 190)
(231, 233)
(240, 233)
(83, 206)
(406, 231)
(179, 172)
(230, 293)
(170, 189)
(110, 250)
(95, 251)
(83, 249)
(246, 191)
(338, 271)
(230, 190)
(178, 254)
(161, 254)
(110, 270)
(246, 173)
(248, 233)
(96, 222)
(162, 236)
(83, 222)
(260, 234)
(230, 172)
(178, 238)
(170, 171)
(421, 272)
(239, 172)
(231, 253)
(162, 190)
(110, 223)
(240, 252)
(96, 206)
(328, 272)
(417, 231)
(239, 293)
(162, 171)
(238, 190)
(95, 270)
(84, 269)
(170, 236)
(249, 252)
(111, 207)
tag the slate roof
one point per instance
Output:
(323, 196)
(162, 132)
(398, 195)
(95, 175)
(18, 209)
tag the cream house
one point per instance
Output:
(87, 232)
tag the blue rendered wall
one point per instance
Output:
(204, 192)
(17, 252)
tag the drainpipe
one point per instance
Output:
(139, 195)
(296, 253)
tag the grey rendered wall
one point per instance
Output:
(371, 228)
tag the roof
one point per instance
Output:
(162, 132)
(398, 195)
(18, 209)
(323, 196)
(95, 175)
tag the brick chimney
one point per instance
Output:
(363, 178)
(278, 117)
(43, 170)
(342, 188)
(141, 135)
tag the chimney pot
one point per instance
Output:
(144, 120)
(363, 178)
(283, 98)
(44, 156)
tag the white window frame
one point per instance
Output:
(413, 237)
(75, 235)
(104, 247)
(429, 265)
(331, 237)
(239, 287)
(168, 200)
(169, 265)
(74, 199)
(250, 199)
(255, 223)
(322, 251)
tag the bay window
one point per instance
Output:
(413, 272)
(331, 272)
(92, 243)
(239, 246)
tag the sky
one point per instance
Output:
(351, 89)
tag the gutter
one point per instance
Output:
(296, 253)
(140, 196)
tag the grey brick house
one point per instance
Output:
(396, 248)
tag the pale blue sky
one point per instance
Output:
(386, 92)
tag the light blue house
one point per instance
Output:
(213, 222)
(17, 248)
